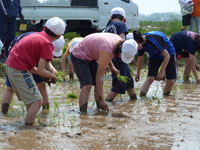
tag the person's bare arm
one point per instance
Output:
(112, 67)
(139, 65)
(42, 71)
(99, 88)
(51, 68)
(63, 60)
(165, 62)
(192, 61)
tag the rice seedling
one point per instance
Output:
(123, 79)
(56, 106)
(72, 121)
(23, 111)
(18, 114)
(38, 118)
(72, 95)
(60, 75)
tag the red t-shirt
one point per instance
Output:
(26, 53)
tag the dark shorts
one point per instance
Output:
(180, 53)
(186, 20)
(124, 69)
(85, 70)
(155, 64)
(37, 79)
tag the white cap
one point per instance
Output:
(58, 45)
(129, 50)
(118, 11)
(129, 36)
(76, 41)
(56, 25)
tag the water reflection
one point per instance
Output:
(153, 123)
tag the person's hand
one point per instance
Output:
(160, 76)
(137, 77)
(53, 80)
(102, 105)
(47, 80)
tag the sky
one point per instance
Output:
(156, 6)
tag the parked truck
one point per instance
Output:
(82, 16)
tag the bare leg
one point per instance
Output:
(42, 88)
(71, 70)
(7, 98)
(111, 96)
(168, 87)
(187, 69)
(132, 94)
(32, 110)
(145, 87)
(83, 98)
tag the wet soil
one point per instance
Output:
(151, 123)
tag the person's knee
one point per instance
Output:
(150, 80)
(87, 87)
(40, 102)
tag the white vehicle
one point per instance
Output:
(82, 16)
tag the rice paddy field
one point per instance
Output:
(149, 123)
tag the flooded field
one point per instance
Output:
(152, 123)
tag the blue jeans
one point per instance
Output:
(195, 20)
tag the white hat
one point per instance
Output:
(118, 11)
(76, 41)
(56, 25)
(129, 36)
(58, 45)
(129, 50)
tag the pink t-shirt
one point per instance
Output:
(97, 46)
(25, 54)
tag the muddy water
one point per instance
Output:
(152, 123)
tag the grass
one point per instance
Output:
(167, 27)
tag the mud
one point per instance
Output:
(152, 123)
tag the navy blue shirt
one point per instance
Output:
(12, 7)
(183, 40)
(156, 43)
(117, 27)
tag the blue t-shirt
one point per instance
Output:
(156, 43)
(183, 40)
(117, 27)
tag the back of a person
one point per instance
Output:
(93, 44)
(27, 52)
(183, 40)
(116, 27)
(196, 11)
(169, 45)
(182, 37)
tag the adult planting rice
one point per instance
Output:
(90, 58)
